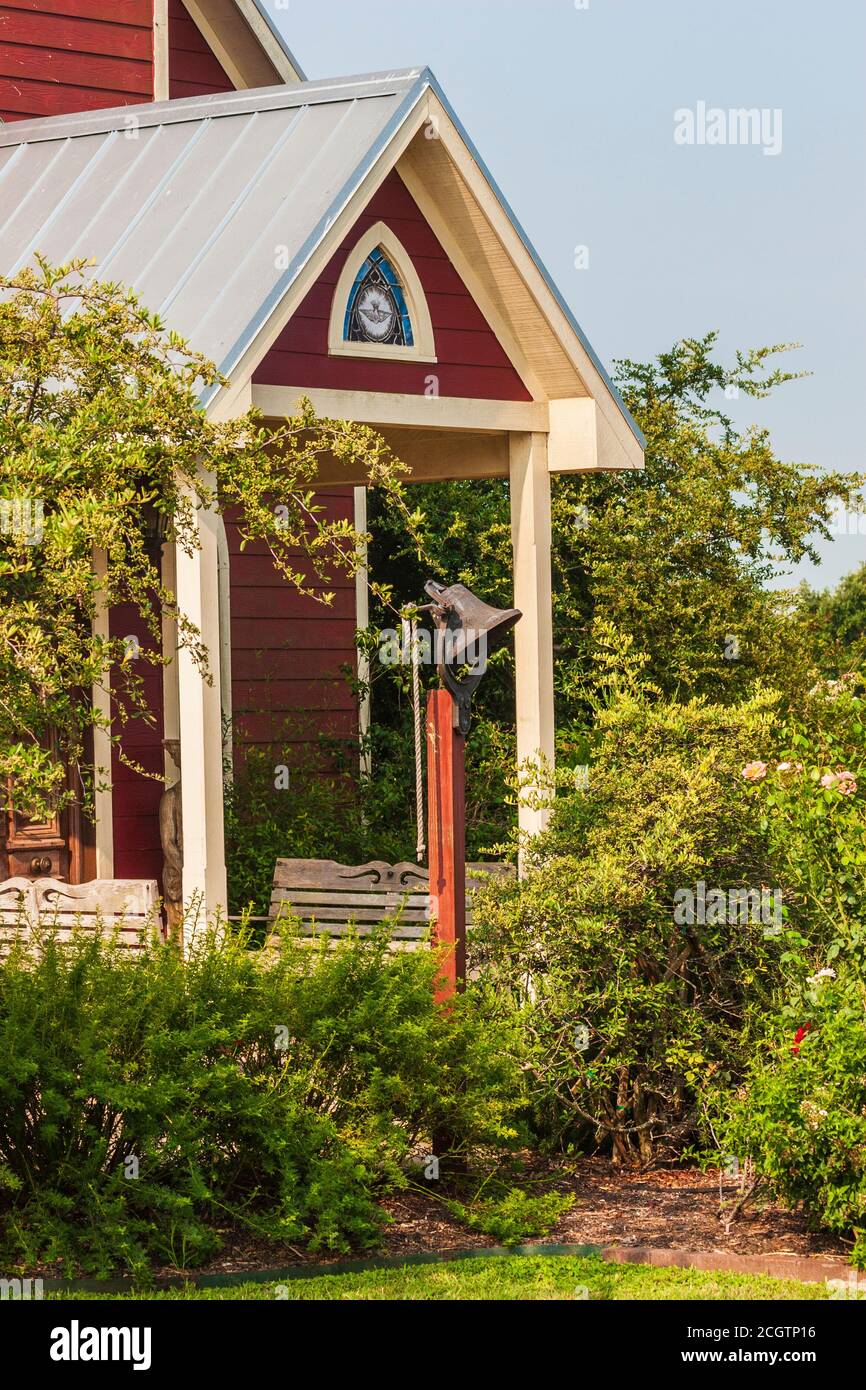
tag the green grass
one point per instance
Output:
(518, 1278)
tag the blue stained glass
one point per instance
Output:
(376, 311)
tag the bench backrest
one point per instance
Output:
(328, 897)
(128, 906)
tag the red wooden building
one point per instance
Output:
(337, 239)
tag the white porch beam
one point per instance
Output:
(581, 440)
(533, 595)
(412, 410)
(573, 442)
(204, 871)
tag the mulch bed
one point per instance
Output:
(665, 1209)
(679, 1207)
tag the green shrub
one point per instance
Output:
(802, 1116)
(811, 800)
(147, 1105)
(629, 1013)
(515, 1217)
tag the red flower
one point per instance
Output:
(799, 1036)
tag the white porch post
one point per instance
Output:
(201, 750)
(533, 635)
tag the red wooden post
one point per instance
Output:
(446, 837)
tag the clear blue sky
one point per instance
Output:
(573, 111)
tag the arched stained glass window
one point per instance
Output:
(376, 310)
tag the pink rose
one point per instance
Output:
(842, 781)
(754, 772)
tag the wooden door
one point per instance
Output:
(52, 848)
(36, 849)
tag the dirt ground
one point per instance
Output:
(665, 1209)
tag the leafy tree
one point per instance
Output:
(681, 556)
(838, 619)
(678, 557)
(101, 443)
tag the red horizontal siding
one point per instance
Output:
(289, 650)
(134, 858)
(48, 30)
(136, 801)
(201, 68)
(137, 12)
(185, 33)
(253, 601)
(57, 56)
(258, 564)
(470, 359)
(191, 89)
(21, 101)
(280, 696)
(300, 728)
(455, 311)
(334, 635)
(193, 69)
(410, 378)
(56, 66)
(283, 663)
(259, 567)
(151, 759)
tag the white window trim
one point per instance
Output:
(423, 348)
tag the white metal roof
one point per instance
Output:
(209, 207)
(206, 206)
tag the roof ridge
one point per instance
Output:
(212, 105)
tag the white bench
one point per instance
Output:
(128, 907)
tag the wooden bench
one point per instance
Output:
(332, 898)
(128, 907)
